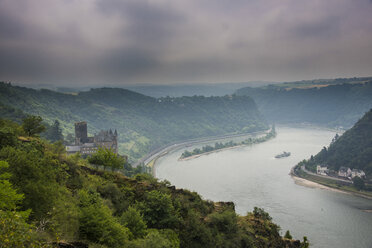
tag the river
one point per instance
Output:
(251, 176)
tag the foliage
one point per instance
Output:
(32, 125)
(287, 235)
(157, 239)
(133, 219)
(158, 210)
(53, 133)
(9, 198)
(16, 232)
(358, 183)
(261, 214)
(220, 146)
(64, 198)
(143, 123)
(107, 158)
(352, 149)
(97, 223)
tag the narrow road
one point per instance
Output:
(326, 177)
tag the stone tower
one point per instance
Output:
(81, 133)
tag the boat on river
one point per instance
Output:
(283, 155)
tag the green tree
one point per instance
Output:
(133, 219)
(107, 158)
(305, 243)
(37, 174)
(158, 239)
(97, 223)
(287, 235)
(9, 198)
(14, 230)
(54, 132)
(261, 214)
(32, 125)
(158, 210)
(358, 183)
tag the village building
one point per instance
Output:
(320, 170)
(344, 172)
(89, 145)
(357, 173)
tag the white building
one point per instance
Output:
(322, 170)
(357, 173)
(344, 172)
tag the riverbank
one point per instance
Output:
(151, 158)
(206, 153)
(304, 179)
(205, 150)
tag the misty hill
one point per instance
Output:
(353, 149)
(210, 89)
(335, 103)
(143, 122)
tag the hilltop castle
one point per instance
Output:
(88, 145)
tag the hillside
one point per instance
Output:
(353, 149)
(49, 199)
(331, 103)
(143, 122)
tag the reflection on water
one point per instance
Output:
(251, 176)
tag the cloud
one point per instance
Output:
(69, 42)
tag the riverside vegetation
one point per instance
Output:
(144, 123)
(219, 146)
(50, 199)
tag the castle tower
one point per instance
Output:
(81, 133)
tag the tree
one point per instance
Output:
(107, 158)
(287, 235)
(358, 183)
(54, 133)
(14, 230)
(9, 198)
(260, 213)
(97, 223)
(133, 219)
(158, 210)
(32, 125)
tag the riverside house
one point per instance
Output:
(357, 173)
(320, 170)
(344, 172)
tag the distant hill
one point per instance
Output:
(336, 102)
(206, 89)
(143, 122)
(353, 149)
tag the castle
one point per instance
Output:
(88, 145)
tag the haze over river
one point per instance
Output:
(250, 176)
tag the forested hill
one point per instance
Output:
(49, 199)
(142, 122)
(325, 103)
(353, 149)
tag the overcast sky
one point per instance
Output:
(123, 42)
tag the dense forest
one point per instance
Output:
(50, 199)
(143, 122)
(352, 149)
(333, 103)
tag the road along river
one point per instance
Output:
(251, 176)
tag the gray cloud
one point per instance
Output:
(73, 42)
